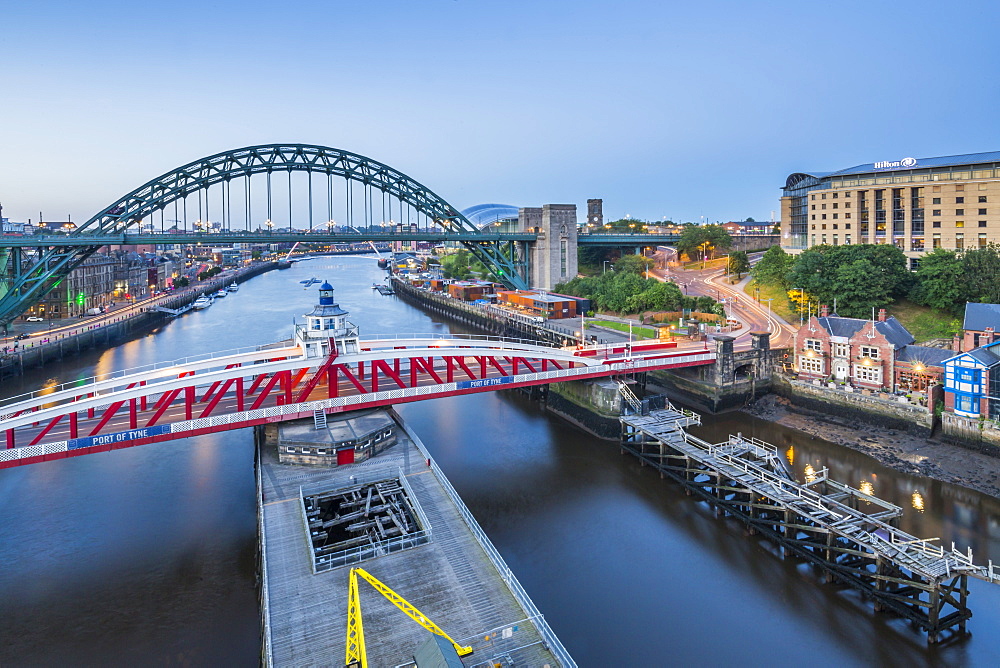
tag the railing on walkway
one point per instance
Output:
(267, 657)
(548, 635)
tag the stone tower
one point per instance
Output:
(595, 213)
(552, 257)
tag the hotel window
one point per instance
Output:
(936, 241)
(835, 224)
(959, 200)
(959, 223)
(959, 241)
(814, 344)
(823, 216)
(847, 239)
(935, 212)
(982, 240)
(847, 226)
(959, 212)
(982, 199)
(847, 194)
(823, 196)
(822, 226)
(936, 223)
(982, 212)
(870, 352)
(835, 197)
(935, 200)
(824, 240)
(814, 216)
(835, 218)
(813, 207)
(822, 206)
(868, 374)
(835, 240)
(982, 223)
(814, 196)
(814, 240)
(809, 365)
(847, 215)
(916, 244)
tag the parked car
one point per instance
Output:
(34, 318)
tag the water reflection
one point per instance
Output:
(160, 564)
(918, 502)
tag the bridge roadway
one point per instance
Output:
(437, 235)
(277, 383)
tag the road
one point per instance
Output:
(753, 316)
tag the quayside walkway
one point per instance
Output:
(449, 570)
(851, 536)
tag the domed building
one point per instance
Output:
(503, 216)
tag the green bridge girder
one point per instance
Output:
(25, 280)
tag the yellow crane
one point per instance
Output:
(356, 655)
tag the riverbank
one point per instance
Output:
(71, 336)
(896, 449)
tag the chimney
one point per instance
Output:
(824, 311)
(881, 315)
(988, 332)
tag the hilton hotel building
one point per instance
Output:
(915, 204)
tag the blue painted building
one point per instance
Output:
(972, 382)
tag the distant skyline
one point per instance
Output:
(689, 111)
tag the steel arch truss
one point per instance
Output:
(22, 284)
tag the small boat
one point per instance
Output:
(202, 302)
(233, 287)
(383, 263)
(220, 294)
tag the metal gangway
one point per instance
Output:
(849, 534)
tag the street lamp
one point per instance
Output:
(604, 267)
(768, 300)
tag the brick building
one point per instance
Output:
(980, 326)
(545, 305)
(869, 354)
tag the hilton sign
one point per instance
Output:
(905, 162)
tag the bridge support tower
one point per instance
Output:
(552, 256)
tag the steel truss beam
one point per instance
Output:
(937, 606)
(19, 289)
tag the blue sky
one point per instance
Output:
(662, 109)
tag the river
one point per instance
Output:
(145, 556)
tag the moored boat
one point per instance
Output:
(202, 302)
(233, 287)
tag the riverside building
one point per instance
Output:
(918, 205)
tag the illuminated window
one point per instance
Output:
(870, 352)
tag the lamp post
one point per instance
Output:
(768, 300)
(604, 267)
(802, 293)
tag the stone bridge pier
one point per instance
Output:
(734, 380)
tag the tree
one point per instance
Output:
(739, 263)
(181, 282)
(255, 255)
(859, 289)
(456, 265)
(940, 281)
(773, 268)
(636, 264)
(708, 237)
(980, 269)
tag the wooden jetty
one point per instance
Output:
(849, 535)
(433, 553)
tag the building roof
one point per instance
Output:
(891, 329)
(901, 164)
(980, 316)
(487, 214)
(925, 355)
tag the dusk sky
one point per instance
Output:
(662, 109)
